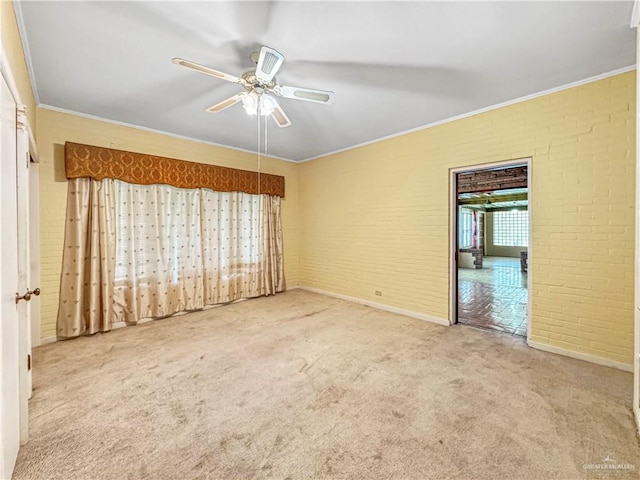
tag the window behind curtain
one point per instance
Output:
(180, 249)
(161, 227)
(135, 252)
(157, 231)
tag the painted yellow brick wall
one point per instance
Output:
(377, 217)
(55, 128)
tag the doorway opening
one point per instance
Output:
(491, 239)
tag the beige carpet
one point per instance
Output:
(301, 386)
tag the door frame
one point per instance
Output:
(636, 289)
(453, 231)
(33, 196)
(23, 162)
(26, 138)
(34, 250)
(11, 341)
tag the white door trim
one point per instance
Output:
(453, 227)
(636, 288)
(34, 250)
(10, 341)
(34, 195)
(25, 147)
(7, 73)
(24, 269)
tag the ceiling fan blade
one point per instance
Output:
(226, 103)
(269, 63)
(209, 71)
(280, 117)
(306, 94)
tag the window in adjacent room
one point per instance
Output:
(511, 228)
(465, 229)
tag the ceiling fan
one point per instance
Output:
(259, 84)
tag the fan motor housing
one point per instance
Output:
(253, 82)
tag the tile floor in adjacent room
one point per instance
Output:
(494, 296)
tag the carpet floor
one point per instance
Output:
(303, 386)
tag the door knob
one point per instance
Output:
(27, 296)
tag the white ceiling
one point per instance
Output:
(394, 66)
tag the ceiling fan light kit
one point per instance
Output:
(258, 103)
(259, 84)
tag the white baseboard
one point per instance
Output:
(581, 356)
(379, 306)
(45, 340)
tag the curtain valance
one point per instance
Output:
(82, 161)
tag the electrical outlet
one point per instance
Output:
(378, 293)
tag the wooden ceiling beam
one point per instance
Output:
(489, 180)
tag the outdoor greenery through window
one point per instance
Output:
(511, 228)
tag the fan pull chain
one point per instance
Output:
(258, 115)
(266, 138)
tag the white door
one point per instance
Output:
(9, 328)
(24, 269)
(34, 250)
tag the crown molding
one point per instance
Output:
(159, 132)
(22, 31)
(525, 98)
(550, 91)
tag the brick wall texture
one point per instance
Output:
(377, 217)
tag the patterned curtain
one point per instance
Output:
(146, 251)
